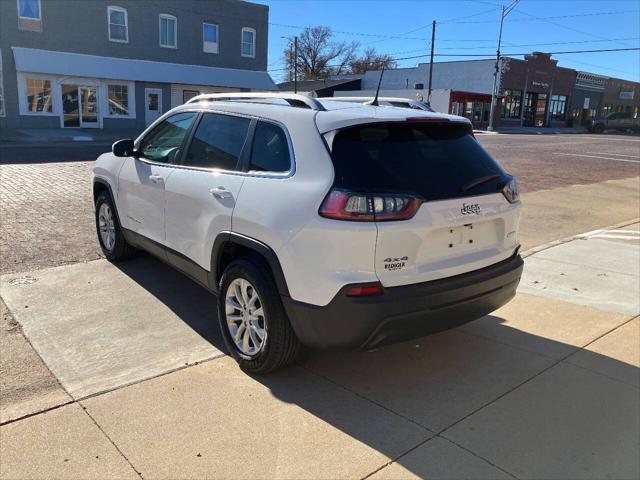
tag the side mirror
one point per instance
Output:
(123, 148)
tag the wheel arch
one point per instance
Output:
(101, 185)
(230, 245)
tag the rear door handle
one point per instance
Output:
(220, 192)
(156, 178)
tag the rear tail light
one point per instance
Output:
(365, 290)
(510, 191)
(369, 207)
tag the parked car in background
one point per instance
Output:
(621, 121)
(320, 223)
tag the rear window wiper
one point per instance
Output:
(479, 181)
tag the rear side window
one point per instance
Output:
(270, 152)
(434, 161)
(218, 142)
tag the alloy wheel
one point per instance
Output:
(107, 227)
(245, 317)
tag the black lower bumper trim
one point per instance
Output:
(405, 312)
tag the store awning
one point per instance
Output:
(80, 65)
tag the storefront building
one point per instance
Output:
(474, 106)
(621, 96)
(586, 102)
(535, 92)
(124, 65)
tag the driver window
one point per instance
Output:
(163, 143)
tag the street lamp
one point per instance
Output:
(494, 93)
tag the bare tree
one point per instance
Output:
(372, 60)
(319, 56)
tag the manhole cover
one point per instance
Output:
(22, 280)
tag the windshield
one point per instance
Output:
(434, 161)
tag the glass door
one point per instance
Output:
(89, 107)
(541, 110)
(70, 106)
(530, 100)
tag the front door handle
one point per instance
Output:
(220, 192)
(156, 178)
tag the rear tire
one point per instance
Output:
(250, 309)
(112, 242)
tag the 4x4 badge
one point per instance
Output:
(470, 209)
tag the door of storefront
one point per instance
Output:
(535, 110)
(80, 106)
(152, 105)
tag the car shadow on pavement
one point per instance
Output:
(194, 305)
(455, 404)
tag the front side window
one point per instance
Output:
(510, 105)
(270, 151)
(29, 9)
(248, 42)
(210, 37)
(39, 95)
(118, 98)
(118, 26)
(558, 107)
(163, 144)
(168, 31)
(218, 142)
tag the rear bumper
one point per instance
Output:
(406, 312)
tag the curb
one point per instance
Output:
(555, 243)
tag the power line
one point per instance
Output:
(568, 28)
(491, 55)
(594, 14)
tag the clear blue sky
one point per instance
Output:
(471, 26)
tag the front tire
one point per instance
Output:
(254, 325)
(112, 241)
(598, 128)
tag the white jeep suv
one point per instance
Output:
(333, 225)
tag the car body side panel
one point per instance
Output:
(194, 217)
(318, 256)
(107, 169)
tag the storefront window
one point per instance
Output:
(456, 108)
(477, 112)
(189, 94)
(510, 105)
(118, 98)
(557, 107)
(468, 111)
(39, 95)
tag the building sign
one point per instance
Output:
(626, 94)
(536, 83)
(586, 103)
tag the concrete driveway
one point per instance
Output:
(546, 387)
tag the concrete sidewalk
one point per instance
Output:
(546, 387)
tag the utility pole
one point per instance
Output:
(494, 91)
(295, 65)
(433, 38)
(290, 61)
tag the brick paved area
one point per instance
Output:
(46, 216)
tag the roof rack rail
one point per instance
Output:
(295, 100)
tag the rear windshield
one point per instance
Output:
(434, 161)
